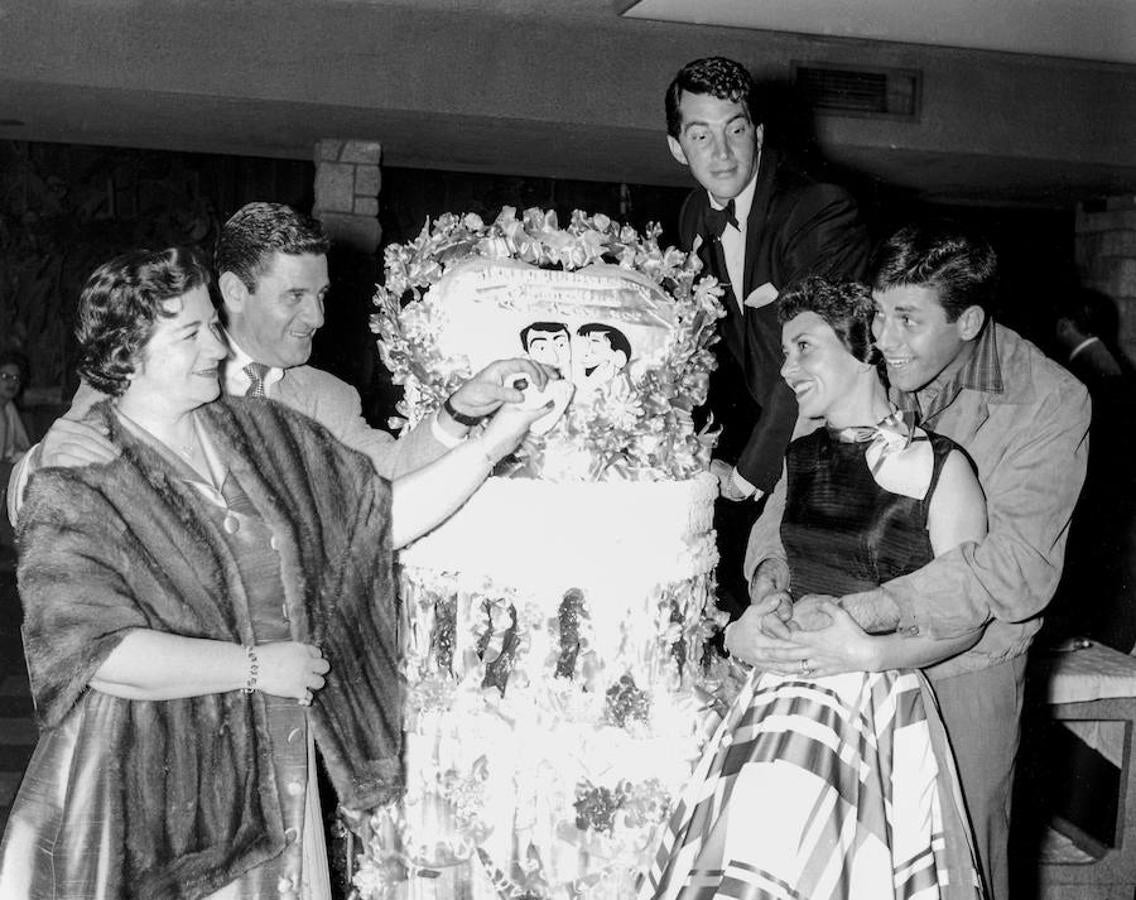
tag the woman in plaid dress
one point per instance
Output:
(835, 781)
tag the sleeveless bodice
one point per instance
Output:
(841, 530)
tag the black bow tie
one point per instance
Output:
(718, 219)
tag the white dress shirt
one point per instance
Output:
(734, 239)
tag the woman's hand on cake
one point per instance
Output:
(493, 386)
(508, 427)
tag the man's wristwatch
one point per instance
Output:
(459, 417)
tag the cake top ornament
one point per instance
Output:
(626, 324)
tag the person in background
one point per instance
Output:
(1024, 422)
(272, 281)
(1086, 330)
(204, 613)
(758, 224)
(1097, 595)
(13, 378)
(13, 436)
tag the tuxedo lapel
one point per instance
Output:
(758, 216)
(732, 328)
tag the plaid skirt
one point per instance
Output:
(836, 788)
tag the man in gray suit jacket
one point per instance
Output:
(271, 267)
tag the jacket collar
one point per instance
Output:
(982, 373)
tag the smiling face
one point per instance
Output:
(177, 366)
(917, 342)
(828, 380)
(595, 351)
(10, 382)
(275, 323)
(598, 356)
(718, 142)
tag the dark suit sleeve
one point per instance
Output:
(823, 236)
(761, 461)
(688, 220)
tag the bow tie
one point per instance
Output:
(892, 434)
(718, 219)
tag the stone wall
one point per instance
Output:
(347, 192)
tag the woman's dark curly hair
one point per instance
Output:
(120, 304)
(845, 305)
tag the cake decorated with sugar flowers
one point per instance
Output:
(554, 633)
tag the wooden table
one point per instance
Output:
(1096, 684)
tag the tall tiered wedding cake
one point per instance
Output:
(554, 628)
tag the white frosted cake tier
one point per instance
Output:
(545, 536)
(556, 700)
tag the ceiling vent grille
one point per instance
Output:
(849, 91)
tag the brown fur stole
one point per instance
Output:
(107, 549)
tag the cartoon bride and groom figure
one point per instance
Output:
(595, 356)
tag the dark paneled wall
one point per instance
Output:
(65, 209)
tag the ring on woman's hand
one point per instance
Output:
(806, 669)
(306, 700)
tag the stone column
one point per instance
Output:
(347, 192)
(1106, 258)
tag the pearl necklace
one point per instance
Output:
(191, 448)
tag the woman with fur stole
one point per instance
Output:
(205, 611)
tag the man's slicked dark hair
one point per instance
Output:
(544, 328)
(120, 304)
(717, 76)
(958, 264)
(615, 338)
(256, 231)
(846, 306)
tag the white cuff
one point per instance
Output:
(743, 487)
(442, 436)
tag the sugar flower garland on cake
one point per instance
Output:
(644, 433)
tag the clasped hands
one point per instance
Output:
(812, 637)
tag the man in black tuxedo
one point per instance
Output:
(758, 224)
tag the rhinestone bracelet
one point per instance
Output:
(253, 670)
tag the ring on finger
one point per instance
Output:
(806, 669)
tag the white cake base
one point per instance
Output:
(555, 701)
